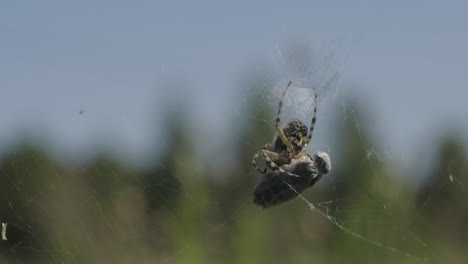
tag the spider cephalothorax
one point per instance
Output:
(296, 132)
(290, 143)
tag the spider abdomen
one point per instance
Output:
(296, 132)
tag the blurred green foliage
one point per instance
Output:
(183, 211)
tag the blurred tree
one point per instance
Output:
(160, 182)
(162, 187)
(105, 178)
(256, 131)
(85, 224)
(175, 189)
(243, 237)
(443, 198)
(191, 218)
(25, 175)
(365, 184)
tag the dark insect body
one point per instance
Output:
(277, 187)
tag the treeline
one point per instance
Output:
(187, 210)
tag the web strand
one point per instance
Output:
(350, 232)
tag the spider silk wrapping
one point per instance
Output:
(272, 188)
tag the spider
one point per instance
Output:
(290, 143)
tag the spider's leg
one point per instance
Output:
(255, 157)
(312, 126)
(254, 163)
(299, 144)
(278, 120)
(272, 155)
(273, 165)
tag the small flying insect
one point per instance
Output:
(290, 164)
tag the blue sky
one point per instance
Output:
(116, 60)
